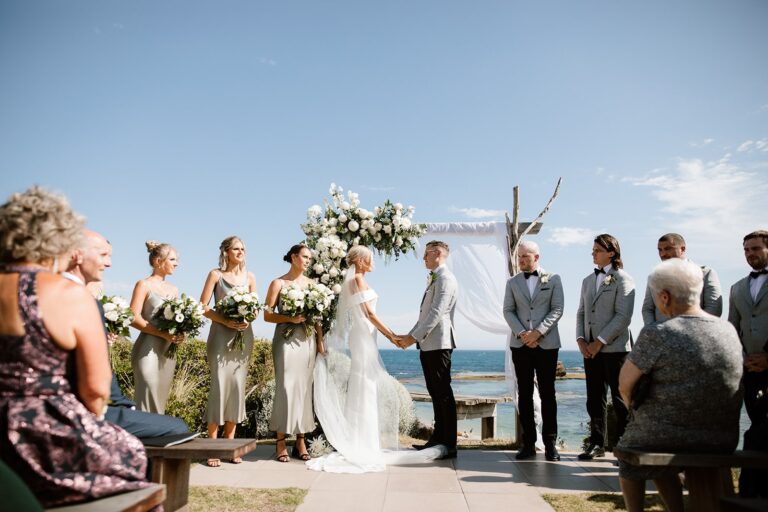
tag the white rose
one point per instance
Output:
(318, 268)
(109, 307)
(325, 278)
(377, 226)
(399, 241)
(168, 312)
(314, 211)
(320, 306)
(111, 315)
(126, 322)
(405, 223)
(179, 318)
(388, 229)
(294, 294)
(242, 310)
(345, 205)
(337, 289)
(377, 237)
(398, 206)
(333, 272)
(332, 221)
(343, 218)
(353, 225)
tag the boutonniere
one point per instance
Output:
(609, 279)
(431, 278)
(544, 279)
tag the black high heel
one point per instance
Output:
(296, 453)
(284, 457)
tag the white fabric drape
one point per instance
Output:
(479, 260)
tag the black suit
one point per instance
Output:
(121, 412)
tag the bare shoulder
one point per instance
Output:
(361, 283)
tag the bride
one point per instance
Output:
(356, 400)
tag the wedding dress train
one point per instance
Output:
(356, 400)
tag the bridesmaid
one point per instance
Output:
(152, 368)
(294, 360)
(229, 367)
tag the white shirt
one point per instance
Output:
(755, 284)
(72, 277)
(532, 281)
(601, 277)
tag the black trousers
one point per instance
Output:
(543, 364)
(752, 482)
(602, 373)
(437, 373)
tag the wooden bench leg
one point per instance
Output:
(705, 488)
(488, 427)
(174, 473)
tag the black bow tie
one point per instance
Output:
(529, 274)
(599, 271)
(757, 273)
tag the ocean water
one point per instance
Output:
(571, 394)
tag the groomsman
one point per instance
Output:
(602, 329)
(533, 305)
(748, 312)
(672, 245)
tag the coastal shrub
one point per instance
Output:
(189, 391)
(191, 383)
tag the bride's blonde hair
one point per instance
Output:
(357, 253)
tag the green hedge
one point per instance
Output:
(189, 392)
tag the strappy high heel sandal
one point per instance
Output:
(296, 453)
(281, 457)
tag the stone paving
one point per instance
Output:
(477, 481)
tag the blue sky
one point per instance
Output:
(188, 121)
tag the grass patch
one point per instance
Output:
(600, 502)
(234, 499)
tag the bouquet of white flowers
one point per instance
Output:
(331, 230)
(182, 316)
(242, 306)
(117, 315)
(313, 303)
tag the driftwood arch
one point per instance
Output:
(517, 230)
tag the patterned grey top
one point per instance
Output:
(695, 396)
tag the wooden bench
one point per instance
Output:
(707, 475)
(472, 407)
(133, 501)
(171, 465)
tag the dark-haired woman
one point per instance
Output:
(152, 368)
(294, 359)
(602, 331)
(229, 366)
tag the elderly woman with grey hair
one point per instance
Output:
(54, 368)
(692, 365)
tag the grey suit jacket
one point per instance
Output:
(541, 312)
(750, 318)
(711, 299)
(607, 312)
(434, 330)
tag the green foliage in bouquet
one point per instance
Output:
(388, 230)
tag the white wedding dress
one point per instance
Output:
(356, 400)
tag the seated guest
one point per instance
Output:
(52, 430)
(87, 266)
(692, 366)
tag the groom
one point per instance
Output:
(433, 335)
